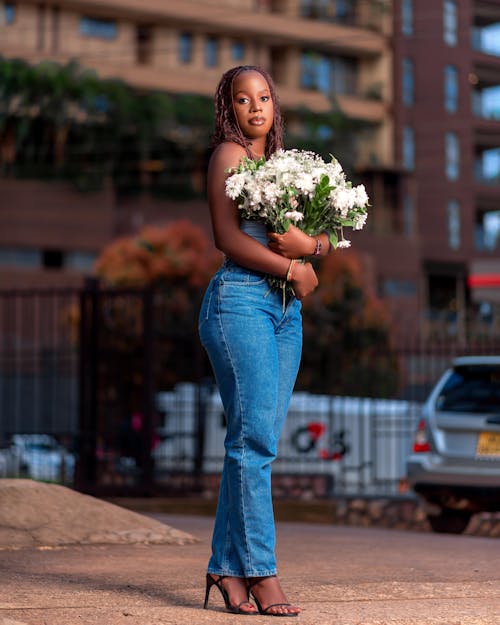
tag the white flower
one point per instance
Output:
(343, 199)
(291, 187)
(235, 184)
(271, 192)
(361, 196)
(305, 182)
(294, 215)
(343, 243)
(359, 221)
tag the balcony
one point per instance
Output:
(487, 167)
(485, 39)
(278, 27)
(487, 199)
(487, 231)
(345, 12)
(353, 106)
(335, 79)
(486, 103)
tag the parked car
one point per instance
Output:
(41, 457)
(454, 466)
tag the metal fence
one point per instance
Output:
(110, 392)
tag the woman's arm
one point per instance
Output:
(228, 236)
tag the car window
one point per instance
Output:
(45, 447)
(472, 389)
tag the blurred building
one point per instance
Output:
(447, 121)
(421, 78)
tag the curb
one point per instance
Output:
(401, 513)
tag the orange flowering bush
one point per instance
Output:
(151, 284)
(178, 252)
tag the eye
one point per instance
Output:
(265, 98)
(242, 100)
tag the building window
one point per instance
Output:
(487, 231)
(408, 215)
(211, 51)
(408, 147)
(308, 63)
(9, 12)
(56, 19)
(328, 74)
(452, 150)
(407, 17)
(237, 51)
(185, 48)
(408, 82)
(454, 225)
(450, 88)
(341, 11)
(40, 26)
(450, 22)
(392, 287)
(79, 261)
(144, 44)
(20, 257)
(345, 11)
(97, 27)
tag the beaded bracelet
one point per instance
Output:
(317, 249)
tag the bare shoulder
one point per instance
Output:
(226, 156)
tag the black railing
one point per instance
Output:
(110, 392)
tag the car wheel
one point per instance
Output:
(449, 522)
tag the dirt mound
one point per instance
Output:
(34, 514)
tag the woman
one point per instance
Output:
(254, 344)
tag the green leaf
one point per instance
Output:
(334, 239)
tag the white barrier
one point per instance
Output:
(361, 443)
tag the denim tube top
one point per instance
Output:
(257, 230)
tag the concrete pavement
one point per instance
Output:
(338, 575)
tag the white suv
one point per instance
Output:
(454, 465)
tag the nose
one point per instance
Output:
(256, 105)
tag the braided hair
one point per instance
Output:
(226, 124)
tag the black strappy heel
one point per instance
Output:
(235, 609)
(265, 611)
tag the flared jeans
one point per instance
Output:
(254, 341)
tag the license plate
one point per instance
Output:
(488, 444)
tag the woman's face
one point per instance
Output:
(253, 104)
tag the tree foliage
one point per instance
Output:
(347, 348)
(327, 133)
(65, 122)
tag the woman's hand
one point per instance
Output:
(304, 280)
(292, 244)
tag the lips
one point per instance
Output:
(257, 121)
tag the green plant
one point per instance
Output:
(62, 121)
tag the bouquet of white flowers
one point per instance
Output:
(298, 187)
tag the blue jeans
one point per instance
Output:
(254, 345)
